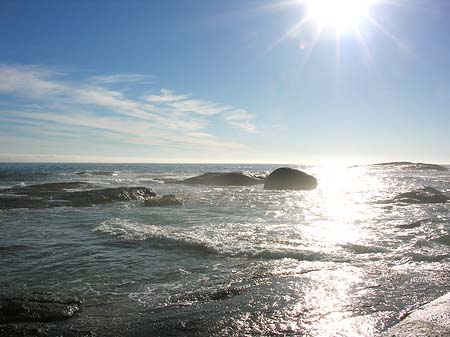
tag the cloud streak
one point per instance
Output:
(48, 104)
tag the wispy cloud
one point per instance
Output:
(122, 78)
(241, 119)
(166, 96)
(28, 81)
(199, 107)
(47, 100)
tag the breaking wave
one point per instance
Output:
(207, 239)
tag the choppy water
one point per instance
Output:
(232, 260)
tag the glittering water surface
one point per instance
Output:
(232, 260)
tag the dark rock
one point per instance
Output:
(406, 165)
(165, 200)
(11, 202)
(55, 195)
(223, 179)
(37, 329)
(44, 189)
(107, 195)
(96, 173)
(425, 195)
(215, 294)
(40, 308)
(411, 225)
(423, 167)
(394, 163)
(25, 330)
(289, 179)
(11, 248)
(443, 240)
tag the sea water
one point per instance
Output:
(231, 261)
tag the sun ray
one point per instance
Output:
(290, 32)
(417, 5)
(312, 45)
(346, 19)
(338, 50)
(387, 33)
(367, 51)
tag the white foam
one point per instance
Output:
(223, 239)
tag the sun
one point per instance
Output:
(344, 19)
(340, 15)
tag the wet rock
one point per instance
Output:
(406, 165)
(223, 179)
(430, 320)
(37, 329)
(289, 179)
(411, 225)
(425, 195)
(214, 294)
(443, 240)
(45, 189)
(25, 330)
(11, 202)
(96, 173)
(11, 248)
(56, 195)
(107, 195)
(39, 308)
(165, 200)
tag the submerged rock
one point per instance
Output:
(165, 200)
(38, 308)
(96, 173)
(223, 179)
(214, 294)
(47, 188)
(289, 179)
(406, 165)
(106, 195)
(57, 194)
(411, 225)
(11, 202)
(425, 195)
(38, 329)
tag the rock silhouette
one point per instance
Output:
(289, 179)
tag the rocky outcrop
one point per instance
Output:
(59, 194)
(11, 202)
(97, 173)
(165, 200)
(289, 179)
(39, 316)
(107, 195)
(432, 319)
(44, 189)
(37, 308)
(223, 179)
(406, 165)
(425, 195)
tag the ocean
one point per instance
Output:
(230, 261)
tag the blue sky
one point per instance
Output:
(221, 81)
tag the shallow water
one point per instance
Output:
(232, 260)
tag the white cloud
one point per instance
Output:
(50, 101)
(241, 119)
(121, 78)
(166, 96)
(28, 81)
(113, 100)
(198, 107)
